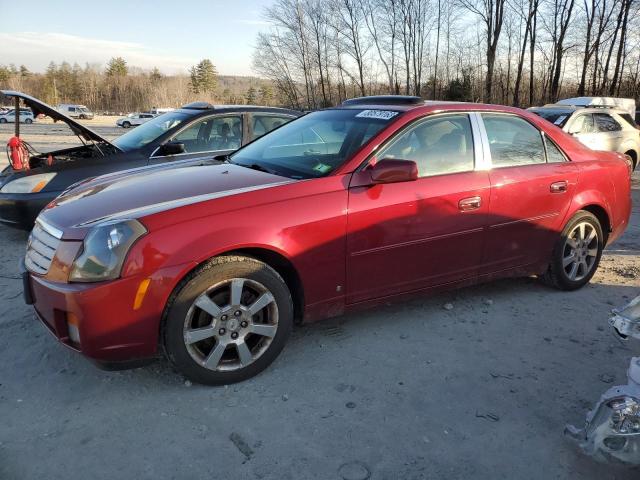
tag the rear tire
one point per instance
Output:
(3, 120)
(28, 121)
(126, 125)
(227, 321)
(577, 253)
(634, 159)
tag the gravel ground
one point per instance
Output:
(418, 390)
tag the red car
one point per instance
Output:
(344, 208)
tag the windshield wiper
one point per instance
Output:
(255, 166)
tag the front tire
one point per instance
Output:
(28, 121)
(126, 125)
(3, 120)
(577, 253)
(227, 321)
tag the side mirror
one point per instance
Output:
(172, 148)
(390, 170)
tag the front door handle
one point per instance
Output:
(468, 204)
(558, 187)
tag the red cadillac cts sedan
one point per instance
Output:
(212, 263)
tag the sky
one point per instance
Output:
(172, 35)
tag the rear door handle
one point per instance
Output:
(468, 204)
(558, 187)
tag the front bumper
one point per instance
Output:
(111, 330)
(21, 209)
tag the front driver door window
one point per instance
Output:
(413, 235)
(212, 134)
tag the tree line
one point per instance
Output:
(514, 52)
(118, 88)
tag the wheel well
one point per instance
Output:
(285, 269)
(602, 216)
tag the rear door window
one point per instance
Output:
(606, 123)
(554, 155)
(513, 141)
(263, 124)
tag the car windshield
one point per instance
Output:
(314, 145)
(557, 117)
(149, 131)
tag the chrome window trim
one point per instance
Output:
(481, 142)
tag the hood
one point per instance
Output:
(144, 192)
(39, 107)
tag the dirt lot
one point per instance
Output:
(412, 391)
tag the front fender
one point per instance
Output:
(309, 231)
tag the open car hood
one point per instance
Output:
(39, 107)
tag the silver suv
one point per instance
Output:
(599, 128)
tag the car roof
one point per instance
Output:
(577, 108)
(428, 106)
(196, 108)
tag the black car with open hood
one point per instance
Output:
(194, 132)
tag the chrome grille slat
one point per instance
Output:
(41, 248)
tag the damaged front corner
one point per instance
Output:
(612, 429)
(626, 320)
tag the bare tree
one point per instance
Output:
(491, 12)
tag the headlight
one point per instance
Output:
(104, 251)
(625, 418)
(29, 184)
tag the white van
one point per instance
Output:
(75, 111)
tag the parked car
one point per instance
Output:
(134, 119)
(159, 111)
(344, 208)
(75, 111)
(196, 131)
(26, 116)
(599, 128)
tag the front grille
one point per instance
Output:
(41, 247)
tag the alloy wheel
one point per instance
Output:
(580, 251)
(231, 325)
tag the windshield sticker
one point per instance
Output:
(322, 168)
(560, 119)
(378, 114)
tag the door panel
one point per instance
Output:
(529, 197)
(407, 236)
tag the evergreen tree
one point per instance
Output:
(204, 77)
(266, 95)
(117, 67)
(251, 96)
(155, 76)
(5, 74)
(24, 71)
